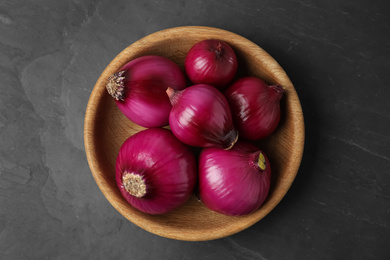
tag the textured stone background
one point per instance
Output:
(337, 53)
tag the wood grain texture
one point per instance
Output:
(106, 128)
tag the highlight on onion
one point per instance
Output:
(211, 62)
(255, 107)
(234, 182)
(155, 172)
(201, 116)
(139, 89)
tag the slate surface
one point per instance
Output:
(337, 54)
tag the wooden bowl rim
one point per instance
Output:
(90, 129)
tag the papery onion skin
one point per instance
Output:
(139, 89)
(211, 62)
(231, 182)
(255, 107)
(167, 166)
(201, 117)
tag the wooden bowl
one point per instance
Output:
(106, 128)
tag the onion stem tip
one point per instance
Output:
(261, 161)
(170, 91)
(232, 143)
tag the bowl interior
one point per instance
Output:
(106, 128)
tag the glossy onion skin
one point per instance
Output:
(201, 117)
(230, 182)
(255, 107)
(146, 80)
(167, 165)
(204, 65)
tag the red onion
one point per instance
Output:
(234, 182)
(255, 107)
(200, 116)
(155, 172)
(139, 89)
(211, 62)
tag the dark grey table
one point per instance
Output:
(337, 54)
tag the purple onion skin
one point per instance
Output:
(168, 167)
(211, 62)
(146, 80)
(255, 107)
(201, 117)
(231, 182)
